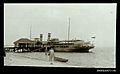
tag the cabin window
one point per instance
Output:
(57, 46)
(61, 46)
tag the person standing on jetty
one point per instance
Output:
(51, 54)
(46, 49)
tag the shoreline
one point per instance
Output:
(16, 60)
(39, 59)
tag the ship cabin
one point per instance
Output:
(66, 43)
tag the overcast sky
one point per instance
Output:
(87, 20)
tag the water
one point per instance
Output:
(98, 57)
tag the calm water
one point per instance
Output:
(98, 57)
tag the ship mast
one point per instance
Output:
(30, 32)
(69, 30)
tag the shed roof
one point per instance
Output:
(23, 40)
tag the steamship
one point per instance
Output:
(70, 45)
(37, 44)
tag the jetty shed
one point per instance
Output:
(24, 42)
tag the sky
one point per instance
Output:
(86, 20)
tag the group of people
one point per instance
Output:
(51, 54)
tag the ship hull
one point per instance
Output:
(72, 49)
